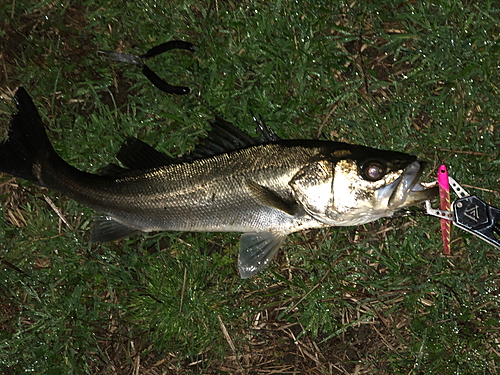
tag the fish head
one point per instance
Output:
(358, 184)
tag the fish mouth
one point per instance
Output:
(409, 190)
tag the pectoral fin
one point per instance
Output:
(107, 229)
(256, 250)
(267, 197)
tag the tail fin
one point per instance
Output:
(27, 147)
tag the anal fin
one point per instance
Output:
(107, 229)
(257, 250)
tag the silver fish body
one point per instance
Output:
(266, 188)
(219, 193)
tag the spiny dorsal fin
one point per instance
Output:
(225, 137)
(266, 134)
(222, 137)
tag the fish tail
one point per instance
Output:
(27, 151)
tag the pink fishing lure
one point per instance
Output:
(444, 199)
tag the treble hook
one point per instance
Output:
(152, 52)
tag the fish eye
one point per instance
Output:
(373, 170)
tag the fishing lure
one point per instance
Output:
(445, 205)
(471, 214)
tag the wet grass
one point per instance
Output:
(381, 298)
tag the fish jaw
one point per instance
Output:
(408, 189)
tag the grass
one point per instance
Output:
(410, 76)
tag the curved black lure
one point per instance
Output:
(152, 52)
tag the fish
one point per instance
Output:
(264, 187)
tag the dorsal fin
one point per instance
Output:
(111, 170)
(135, 154)
(266, 133)
(222, 137)
(225, 137)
